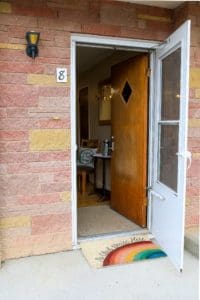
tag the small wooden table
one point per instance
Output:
(104, 158)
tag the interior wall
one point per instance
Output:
(90, 79)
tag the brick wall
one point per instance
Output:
(192, 11)
(35, 175)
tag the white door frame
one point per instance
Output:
(168, 225)
(119, 43)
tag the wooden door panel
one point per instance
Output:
(129, 128)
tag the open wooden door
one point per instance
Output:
(129, 129)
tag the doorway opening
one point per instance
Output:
(112, 139)
(167, 133)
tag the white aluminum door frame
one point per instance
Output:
(101, 41)
(159, 191)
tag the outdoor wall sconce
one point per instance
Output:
(32, 38)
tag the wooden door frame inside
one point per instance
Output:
(118, 43)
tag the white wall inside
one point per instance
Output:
(91, 78)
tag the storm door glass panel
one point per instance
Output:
(170, 106)
(168, 157)
(169, 120)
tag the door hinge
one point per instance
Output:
(148, 72)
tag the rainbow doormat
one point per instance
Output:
(101, 253)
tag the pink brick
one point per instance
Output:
(62, 41)
(13, 233)
(192, 220)
(54, 91)
(46, 177)
(192, 191)
(16, 67)
(52, 60)
(41, 110)
(36, 244)
(54, 52)
(49, 166)
(17, 157)
(3, 113)
(194, 133)
(3, 146)
(59, 24)
(51, 68)
(54, 123)
(193, 181)
(152, 10)
(195, 39)
(3, 169)
(191, 93)
(38, 167)
(84, 5)
(62, 155)
(19, 95)
(18, 124)
(76, 13)
(14, 146)
(38, 199)
(19, 184)
(194, 170)
(17, 112)
(12, 135)
(24, 21)
(50, 224)
(35, 209)
(9, 201)
(118, 15)
(194, 103)
(34, 12)
(53, 104)
(12, 40)
(143, 34)
(101, 29)
(62, 176)
(194, 113)
(193, 143)
(163, 26)
(18, 168)
(3, 37)
(14, 55)
(56, 187)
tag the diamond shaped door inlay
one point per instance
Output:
(126, 92)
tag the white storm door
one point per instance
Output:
(167, 193)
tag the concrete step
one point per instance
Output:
(192, 240)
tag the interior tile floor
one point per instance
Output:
(101, 219)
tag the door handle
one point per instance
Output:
(159, 196)
(186, 155)
(189, 158)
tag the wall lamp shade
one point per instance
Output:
(32, 38)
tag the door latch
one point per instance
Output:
(186, 155)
